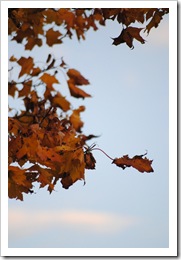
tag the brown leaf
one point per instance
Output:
(26, 89)
(75, 118)
(137, 162)
(52, 37)
(17, 182)
(157, 17)
(49, 80)
(31, 42)
(77, 78)
(26, 65)
(127, 35)
(60, 101)
(12, 58)
(12, 89)
(89, 161)
(123, 37)
(75, 91)
(74, 168)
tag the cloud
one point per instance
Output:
(24, 223)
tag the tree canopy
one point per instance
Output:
(47, 130)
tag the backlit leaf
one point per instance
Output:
(137, 162)
(26, 65)
(49, 80)
(75, 118)
(75, 91)
(52, 37)
(77, 78)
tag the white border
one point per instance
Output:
(172, 250)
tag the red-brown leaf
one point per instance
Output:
(137, 162)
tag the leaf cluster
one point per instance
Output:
(46, 132)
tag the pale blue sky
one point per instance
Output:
(129, 108)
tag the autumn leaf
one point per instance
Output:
(26, 65)
(77, 78)
(17, 182)
(12, 58)
(137, 162)
(59, 101)
(157, 17)
(26, 88)
(90, 161)
(52, 37)
(74, 168)
(127, 35)
(75, 91)
(49, 80)
(75, 118)
(31, 42)
(12, 89)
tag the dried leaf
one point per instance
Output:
(137, 162)
(26, 65)
(77, 78)
(59, 101)
(89, 161)
(75, 119)
(52, 37)
(49, 80)
(31, 42)
(127, 35)
(75, 91)
(12, 58)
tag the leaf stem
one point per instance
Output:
(102, 152)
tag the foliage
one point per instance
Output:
(47, 132)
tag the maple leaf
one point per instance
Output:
(52, 37)
(12, 89)
(60, 101)
(157, 17)
(75, 91)
(49, 80)
(77, 78)
(12, 58)
(75, 118)
(127, 35)
(31, 42)
(26, 88)
(17, 182)
(74, 168)
(90, 161)
(137, 162)
(26, 65)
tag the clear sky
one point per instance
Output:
(129, 109)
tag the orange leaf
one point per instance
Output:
(18, 182)
(26, 65)
(75, 118)
(26, 89)
(75, 91)
(12, 89)
(60, 101)
(137, 162)
(73, 169)
(12, 58)
(77, 78)
(52, 37)
(49, 80)
(31, 42)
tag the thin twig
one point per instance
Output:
(102, 152)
